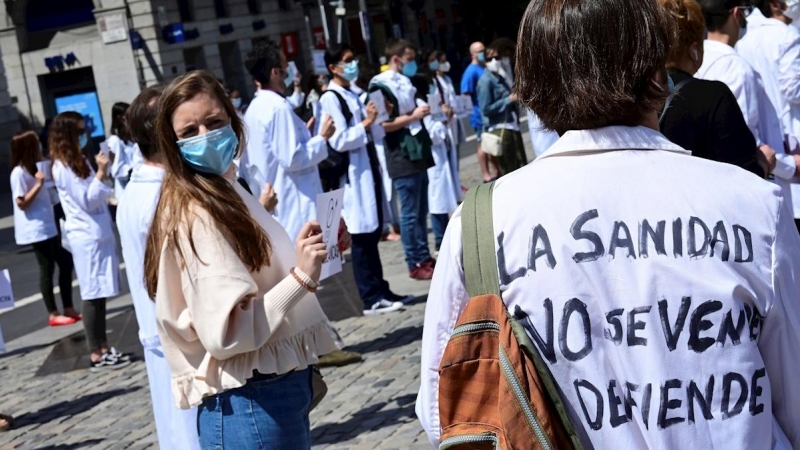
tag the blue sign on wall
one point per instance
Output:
(85, 104)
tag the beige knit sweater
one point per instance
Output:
(218, 321)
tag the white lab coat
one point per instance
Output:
(176, 428)
(281, 151)
(773, 49)
(378, 133)
(541, 138)
(444, 189)
(89, 231)
(455, 129)
(127, 157)
(360, 210)
(612, 315)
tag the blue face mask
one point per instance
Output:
(410, 69)
(482, 57)
(670, 85)
(212, 152)
(350, 71)
(434, 66)
(83, 140)
(237, 102)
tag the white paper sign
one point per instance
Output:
(318, 58)
(380, 103)
(294, 67)
(435, 103)
(104, 148)
(465, 107)
(44, 167)
(316, 110)
(329, 214)
(112, 28)
(6, 294)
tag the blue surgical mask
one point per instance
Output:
(410, 69)
(350, 71)
(434, 66)
(482, 57)
(290, 75)
(83, 140)
(212, 152)
(237, 102)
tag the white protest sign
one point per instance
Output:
(104, 148)
(464, 108)
(380, 102)
(318, 58)
(435, 103)
(44, 167)
(329, 214)
(316, 111)
(6, 294)
(293, 66)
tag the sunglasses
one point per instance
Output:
(492, 58)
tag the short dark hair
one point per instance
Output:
(398, 47)
(366, 74)
(717, 12)
(765, 6)
(142, 119)
(118, 127)
(261, 59)
(586, 64)
(334, 54)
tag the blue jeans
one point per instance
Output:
(413, 193)
(439, 225)
(266, 413)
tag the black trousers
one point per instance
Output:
(367, 267)
(94, 323)
(48, 254)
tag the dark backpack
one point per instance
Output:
(336, 165)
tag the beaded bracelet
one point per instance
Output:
(305, 285)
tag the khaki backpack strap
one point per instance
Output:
(477, 240)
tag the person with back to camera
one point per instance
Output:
(237, 317)
(126, 153)
(660, 290)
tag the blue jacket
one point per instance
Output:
(493, 99)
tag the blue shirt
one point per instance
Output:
(469, 85)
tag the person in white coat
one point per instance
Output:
(176, 428)
(88, 230)
(725, 22)
(772, 47)
(541, 138)
(363, 209)
(444, 191)
(456, 133)
(604, 271)
(126, 153)
(280, 148)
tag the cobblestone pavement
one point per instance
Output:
(369, 405)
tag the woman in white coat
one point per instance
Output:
(88, 230)
(126, 153)
(443, 190)
(456, 133)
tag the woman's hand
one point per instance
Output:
(268, 198)
(311, 251)
(103, 161)
(39, 175)
(344, 237)
(327, 128)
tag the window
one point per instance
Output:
(185, 10)
(284, 5)
(194, 58)
(221, 8)
(254, 6)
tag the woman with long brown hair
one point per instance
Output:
(35, 225)
(236, 313)
(88, 230)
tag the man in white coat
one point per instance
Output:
(719, 61)
(363, 190)
(280, 149)
(176, 428)
(772, 47)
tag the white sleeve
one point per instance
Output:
(346, 138)
(292, 147)
(779, 342)
(785, 167)
(88, 199)
(18, 189)
(447, 300)
(296, 99)
(789, 75)
(122, 164)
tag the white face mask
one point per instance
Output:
(792, 9)
(493, 65)
(445, 66)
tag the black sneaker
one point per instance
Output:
(404, 299)
(119, 355)
(107, 362)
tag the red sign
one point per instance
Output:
(289, 44)
(319, 39)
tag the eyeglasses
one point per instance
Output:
(492, 58)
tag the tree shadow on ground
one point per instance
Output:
(69, 407)
(371, 418)
(393, 339)
(89, 443)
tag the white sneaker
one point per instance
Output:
(383, 307)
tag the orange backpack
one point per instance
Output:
(495, 391)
